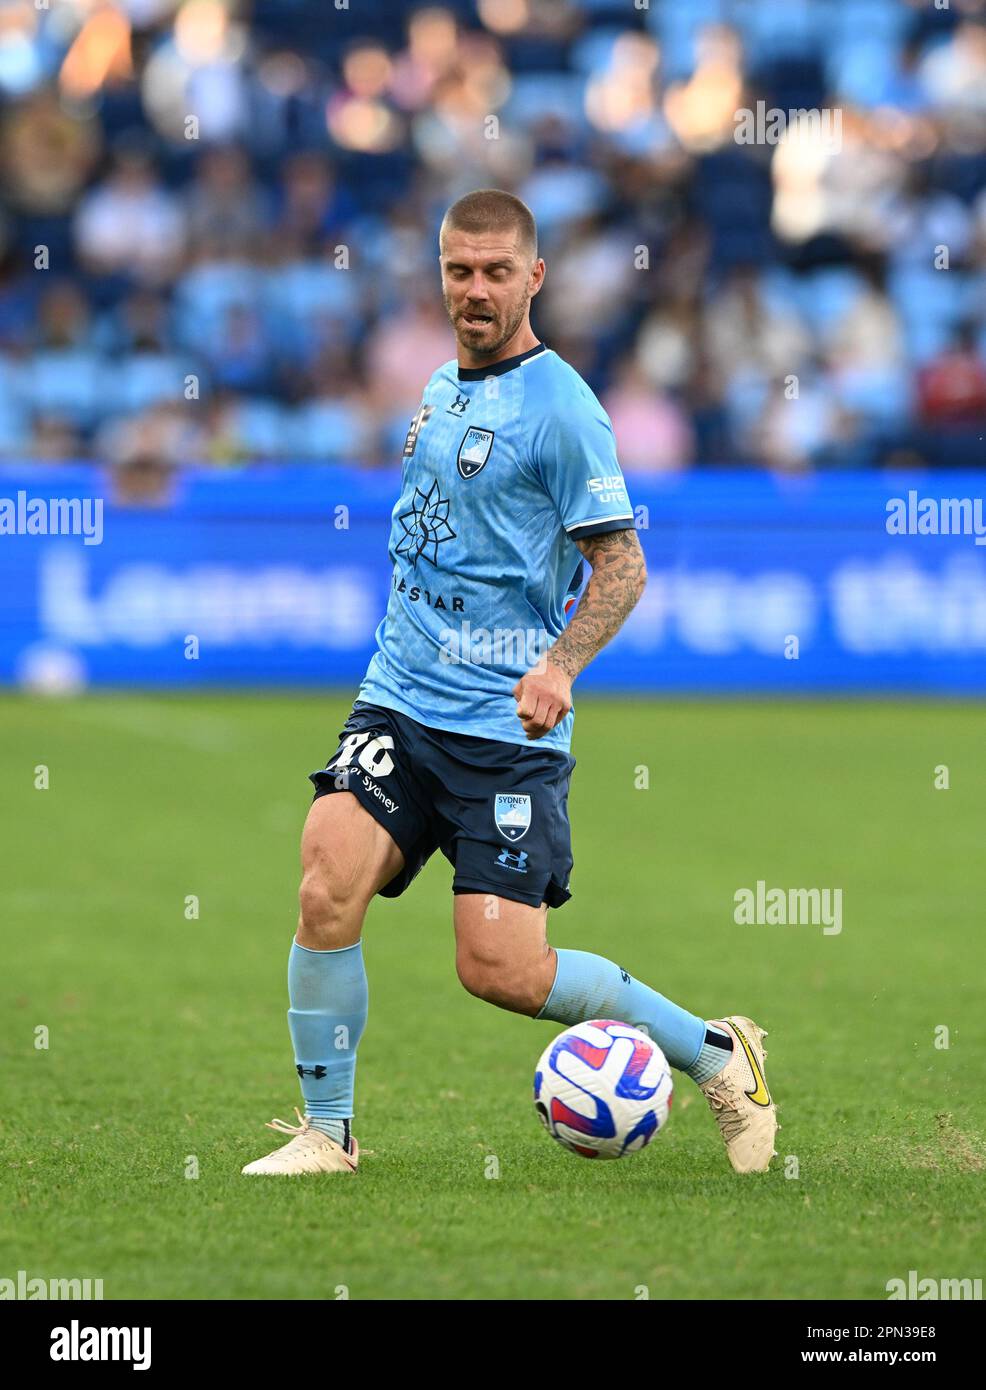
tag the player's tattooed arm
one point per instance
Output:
(619, 574)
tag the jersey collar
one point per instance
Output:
(498, 368)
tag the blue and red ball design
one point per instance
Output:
(637, 1097)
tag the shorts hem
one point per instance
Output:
(553, 895)
(324, 784)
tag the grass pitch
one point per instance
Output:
(167, 1044)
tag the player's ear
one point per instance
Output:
(536, 279)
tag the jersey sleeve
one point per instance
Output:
(573, 451)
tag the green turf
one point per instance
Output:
(168, 1037)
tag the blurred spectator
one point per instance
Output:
(145, 450)
(919, 216)
(591, 276)
(794, 431)
(667, 345)
(66, 378)
(334, 425)
(747, 331)
(198, 71)
(954, 72)
(129, 224)
(862, 347)
(253, 273)
(46, 154)
(311, 203)
(63, 316)
(952, 387)
(53, 440)
(226, 210)
(653, 434)
(408, 344)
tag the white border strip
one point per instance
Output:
(596, 520)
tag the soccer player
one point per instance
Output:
(459, 737)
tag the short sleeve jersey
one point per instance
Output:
(504, 468)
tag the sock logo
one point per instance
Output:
(624, 976)
(759, 1095)
(317, 1072)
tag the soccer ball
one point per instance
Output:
(602, 1089)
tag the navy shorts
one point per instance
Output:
(497, 811)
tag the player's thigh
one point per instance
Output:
(346, 858)
(502, 951)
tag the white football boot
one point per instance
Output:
(740, 1101)
(309, 1151)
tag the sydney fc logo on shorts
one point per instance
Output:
(473, 452)
(512, 813)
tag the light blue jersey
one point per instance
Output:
(504, 467)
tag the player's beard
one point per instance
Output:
(488, 343)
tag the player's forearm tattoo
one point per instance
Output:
(619, 574)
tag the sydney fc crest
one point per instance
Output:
(512, 813)
(473, 452)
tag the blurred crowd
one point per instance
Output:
(218, 222)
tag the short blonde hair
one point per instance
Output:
(492, 209)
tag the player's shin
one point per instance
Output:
(587, 986)
(327, 991)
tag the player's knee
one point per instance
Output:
(513, 985)
(330, 911)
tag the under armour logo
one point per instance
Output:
(508, 860)
(458, 406)
(317, 1072)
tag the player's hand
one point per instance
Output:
(544, 697)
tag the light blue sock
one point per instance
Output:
(328, 997)
(713, 1055)
(588, 986)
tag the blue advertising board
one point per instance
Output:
(760, 584)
